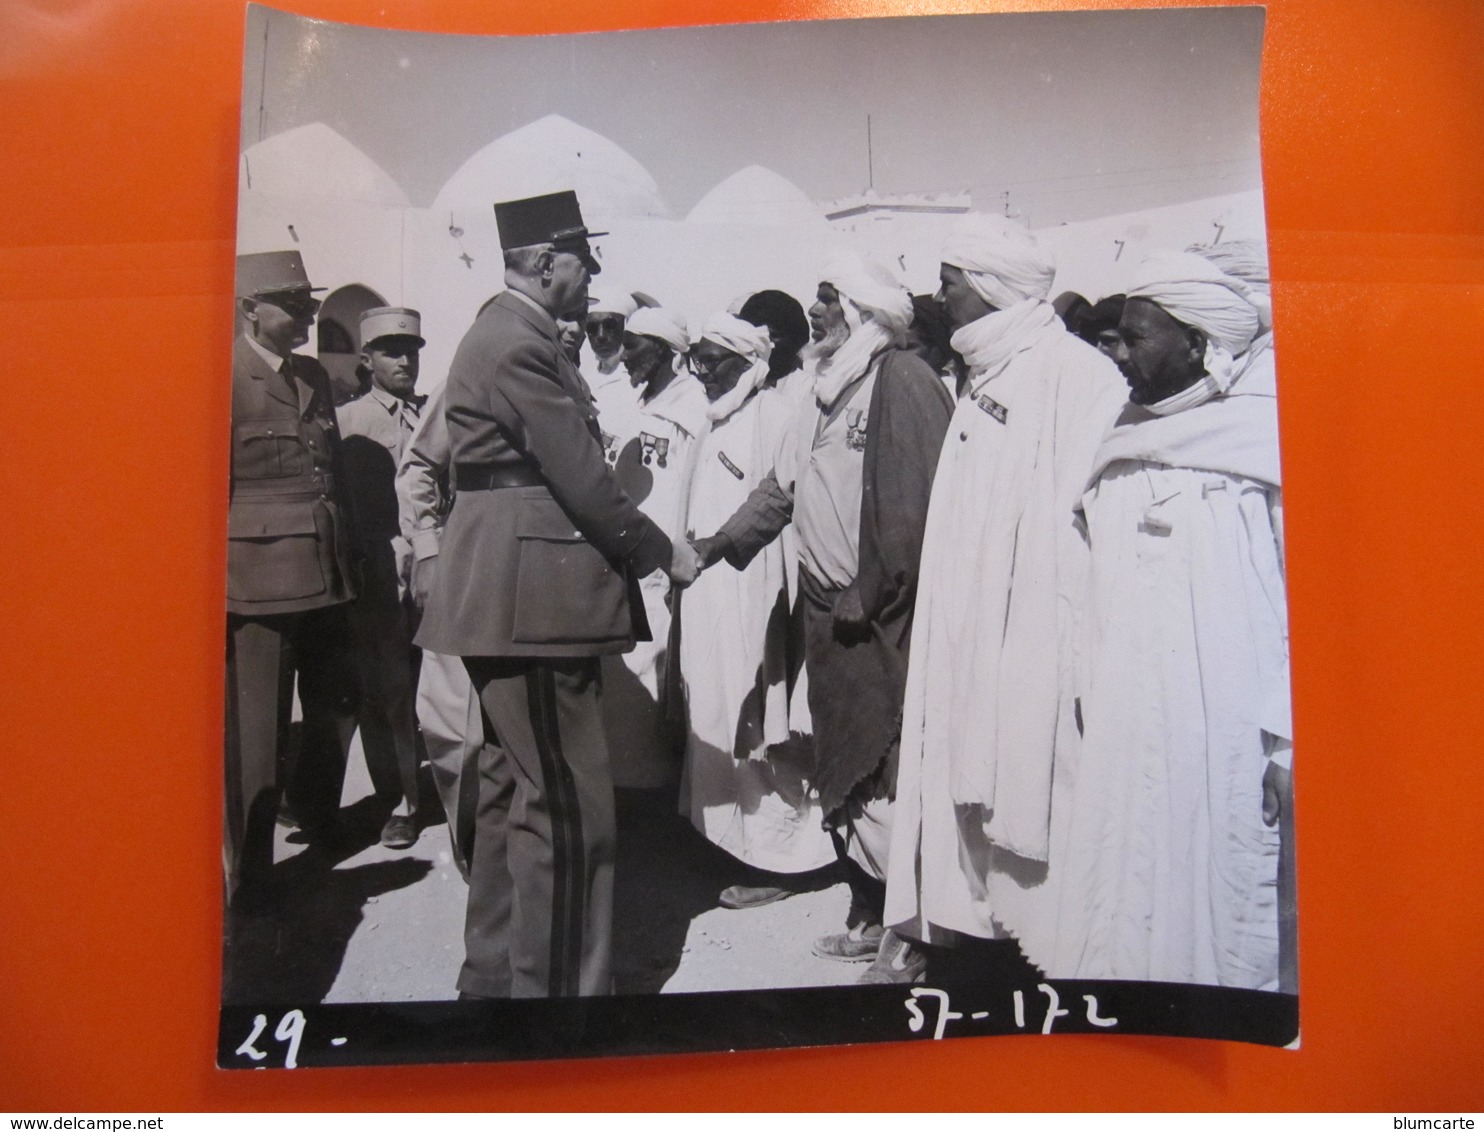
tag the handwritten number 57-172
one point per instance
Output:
(917, 1019)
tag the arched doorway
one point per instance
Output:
(339, 336)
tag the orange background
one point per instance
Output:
(116, 223)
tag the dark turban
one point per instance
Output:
(1104, 314)
(784, 317)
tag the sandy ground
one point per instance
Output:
(369, 924)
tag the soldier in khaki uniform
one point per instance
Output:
(538, 578)
(375, 429)
(289, 554)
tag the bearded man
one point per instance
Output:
(744, 785)
(989, 719)
(854, 479)
(1172, 852)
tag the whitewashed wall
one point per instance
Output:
(411, 257)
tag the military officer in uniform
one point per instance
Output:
(289, 556)
(375, 429)
(538, 578)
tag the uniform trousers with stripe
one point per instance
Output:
(540, 912)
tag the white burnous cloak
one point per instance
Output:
(989, 719)
(1170, 873)
(754, 802)
(654, 452)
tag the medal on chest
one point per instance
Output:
(656, 449)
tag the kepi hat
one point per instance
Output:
(272, 273)
(391, 322)
(554, 218)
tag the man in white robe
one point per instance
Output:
(608, 310)
(1170, 871)
(655, 442)
(754, 802)
(989, 717)
(1247, 260)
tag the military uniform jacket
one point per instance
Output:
(374, 431)
(547, 568)
(288, 528)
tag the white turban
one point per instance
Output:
(1246, 260)
(656, 322)
(748, 341)
(1193, 290)
(877, 309)
(1002, 261)
(604, 297)
(871, 287)
(738, 336)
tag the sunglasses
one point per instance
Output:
(292, 303)
(708, 363)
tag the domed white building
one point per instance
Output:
(316, 162)
(549, 155)
(755, 195)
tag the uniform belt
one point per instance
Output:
(297, 488)
(484, 478)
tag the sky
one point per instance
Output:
(1056, 117)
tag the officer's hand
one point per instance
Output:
(424, 570)
(710, 549)
(685, 563)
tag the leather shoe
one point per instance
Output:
(897, 962)
(750, 896)
(858, 945)
(399, 832)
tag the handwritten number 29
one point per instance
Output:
(290, 1029)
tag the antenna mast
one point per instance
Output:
(263, 77)
(870, 160)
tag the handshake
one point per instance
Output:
(691, 556)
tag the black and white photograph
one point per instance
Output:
(753, 536)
